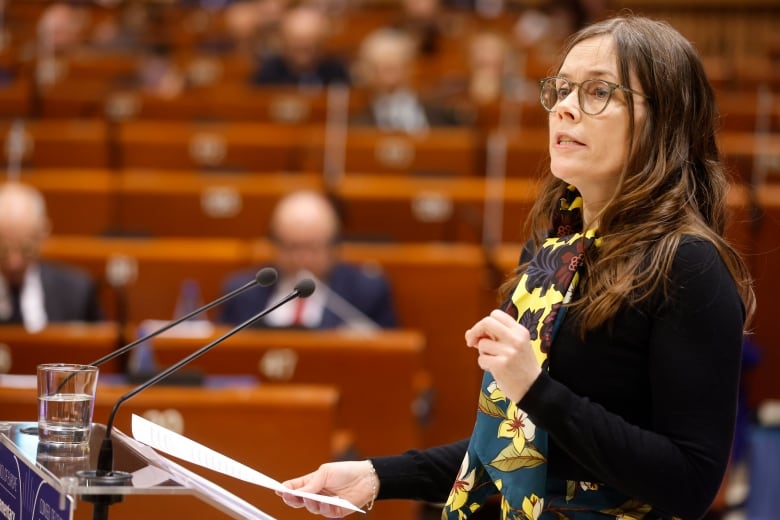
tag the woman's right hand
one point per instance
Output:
(354, 481)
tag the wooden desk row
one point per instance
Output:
(188, 204)
(157, 203)
(253, 147)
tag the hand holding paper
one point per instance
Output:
(183, 448)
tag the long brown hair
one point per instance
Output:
(673, 183)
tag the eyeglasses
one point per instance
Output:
(592, 94)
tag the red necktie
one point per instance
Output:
(298, 311)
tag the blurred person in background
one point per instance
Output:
(305, 235)
(490, 67)
(33, 292)
(301, 59)
(384, 67)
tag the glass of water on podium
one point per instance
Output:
(66, 401)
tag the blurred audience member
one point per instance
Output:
(125, 28)
(34, 292)
(61, 29)
(385, 65)
(301, 59)
(242, 24)
(158, 75)
(490, 67)
(544, 29)
(305, 232)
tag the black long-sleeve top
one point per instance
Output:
(646, 407)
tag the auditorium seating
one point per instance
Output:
(21, 352)
(753, 158)
(79, 201)
(155, 270)
(379, 375)
(763, 381)
(181, 203)
(236, 102)
(233, 146)
(412, 209)
(15, 99)
(439, 151)
(55, 143)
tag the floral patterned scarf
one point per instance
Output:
(507, 453)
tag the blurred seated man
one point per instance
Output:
(301, 60)
(490, 67)
(305, 232)
(34, 292)
(61, 29)
(385, 65)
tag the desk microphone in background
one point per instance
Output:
(264, 277)
(121, 271)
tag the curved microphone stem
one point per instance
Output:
(105, 458)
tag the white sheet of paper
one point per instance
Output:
(183, 448)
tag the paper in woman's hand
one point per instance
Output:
(181, 447)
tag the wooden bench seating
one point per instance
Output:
(157, 269)
(412, 209)
(188, 204)
(79, 201)
(21, 352)
(440, 151)
(60, 143)
(233, 146)
(763, 381)
(379, 375)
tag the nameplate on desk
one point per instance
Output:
(25, 495)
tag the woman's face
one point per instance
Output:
(589, 151)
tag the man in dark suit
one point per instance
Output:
(305, 234)
(300, 60)
(34, 293)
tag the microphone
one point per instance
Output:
(303, 289)
(264, 277)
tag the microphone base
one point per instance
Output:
(95, 478)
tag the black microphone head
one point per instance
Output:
(266, 276)
(305, 287)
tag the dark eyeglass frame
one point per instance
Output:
(608, 84)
